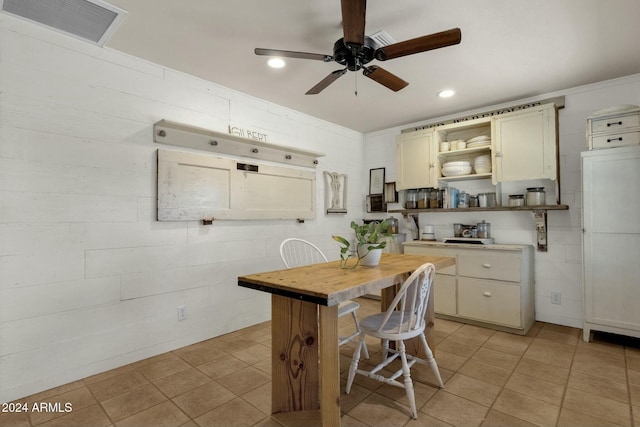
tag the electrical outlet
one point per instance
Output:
(556, 298)
(182, 312)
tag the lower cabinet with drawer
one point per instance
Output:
(490, 285)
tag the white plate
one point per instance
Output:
(456, 171)
(478, 144)
(456, 164)
(480, 138)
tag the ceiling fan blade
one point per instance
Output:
(292, 54)
(326, 82)
(353, 19)
(419, 44)
(385, 78)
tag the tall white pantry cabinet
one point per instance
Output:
(611, 240)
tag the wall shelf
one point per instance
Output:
(497, 208)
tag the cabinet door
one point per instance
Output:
(415, 166)
(444, 294)
(490, 301)
(525, 145)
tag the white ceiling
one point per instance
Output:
(510, 49)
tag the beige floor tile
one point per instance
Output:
(113, 386)
(634, 392)
(508, 343)
(425, 420)
(449, 361)
(456, 347)
(14, 419)
(536, 388)
(236, 343)
(543, 371)
(422, 393)
(454, 410)
(244, 380)
(204, 398)
(559, 334)
(599, 369)
(163, 368)
(633, 377)
(377, 410)
(472, 335)
(253, 354)
(446, 326)
(264, 366)
(571, 418)
(487, 373)
(496, 358)
(78, 398)
(108, 374)
(221, 367)
(356, 395)
(236, 412)
(92, 416)
(597, 406)
(130, 403)
(605, 355)
(200, 353)
(260, 397)
(44, 395)
(348, 421)
(163, 415)
(527, 408)
(499, 419)
(472, 389)
(181, 382)
(550, 352)
(599, 386)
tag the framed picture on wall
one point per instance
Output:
(376, 181)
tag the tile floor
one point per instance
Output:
(548, 378)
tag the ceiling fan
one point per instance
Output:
(355, 50)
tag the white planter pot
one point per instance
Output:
(372, 258)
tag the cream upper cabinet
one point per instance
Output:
(415, 164)
(525, 145)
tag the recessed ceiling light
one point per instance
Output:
(276, 63)
(446, 93)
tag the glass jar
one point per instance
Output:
(516, 200)
(463, 200)
(473, 202)
(433, 198)
(423, 198)
(412, 199)
(535, 196)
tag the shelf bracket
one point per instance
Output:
(541, 229)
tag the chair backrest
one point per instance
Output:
(298, 252)
(411, 301)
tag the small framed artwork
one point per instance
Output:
(376, 181)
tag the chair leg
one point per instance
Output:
(355, 320)
(354, 363)
(408, 383)
(385, 349)
(431, 361)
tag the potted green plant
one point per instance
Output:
(370, 239)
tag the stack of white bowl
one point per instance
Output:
(482, 164)
(456, 168)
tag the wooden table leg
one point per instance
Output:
(294, 334)
(329, 367)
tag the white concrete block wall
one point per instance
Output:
(89, 280)
(559, 269)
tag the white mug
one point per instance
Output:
(445, 146)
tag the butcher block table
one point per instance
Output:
(304, 325)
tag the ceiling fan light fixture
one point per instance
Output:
(276, 62)
(446, 93)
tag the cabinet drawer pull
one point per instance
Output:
(614, 139)
(486, 265)
(486, 293)
(614, 123)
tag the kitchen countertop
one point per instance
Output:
(440, 244)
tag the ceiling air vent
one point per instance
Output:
(382, 38)
(91, 20)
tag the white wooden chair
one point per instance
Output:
(298, 252)
(402, 321)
